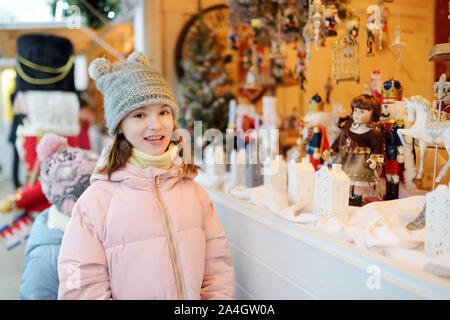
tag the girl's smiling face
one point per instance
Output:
(362, 116)
(149, 128)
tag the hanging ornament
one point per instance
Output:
(397, 44)
(233, 39)
(316, 17)
(352, 27)
(246, 55)
(331, 20)
(374, 28)
(328, 88)
(252, 74)
(308, 34)
(345, 60)
(257, 27)
(290, 22)
(300, 68)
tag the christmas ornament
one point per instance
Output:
(374, 28)
(287, 16)
(233, 39)
(397, 44)
(352, 27)
(345, 60)
(300, 68)
(331, 20)
(328, 89)
(316, 18)
(308, 34)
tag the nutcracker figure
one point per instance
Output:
(45, 92)
(392, 93)
(359, 147)
(315, 132)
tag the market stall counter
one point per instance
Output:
(275, 258)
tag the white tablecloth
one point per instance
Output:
(377, 226)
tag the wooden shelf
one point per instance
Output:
(439, 52)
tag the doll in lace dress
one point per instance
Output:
(359, 147)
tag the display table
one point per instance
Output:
(278, 259)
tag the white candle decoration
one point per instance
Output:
(300, 181)
(331, 193)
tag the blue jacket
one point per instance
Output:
(40, 274)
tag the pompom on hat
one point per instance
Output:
(129, 85)
(65, 171)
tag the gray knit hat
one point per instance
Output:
(128, 86)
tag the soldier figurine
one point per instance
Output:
(392, 92)
(45, 89)
(315, 132)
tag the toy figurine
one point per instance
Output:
(376, 84)
(328, 89)
(300, 68)
(290, 23)
(233, 38)
(257, 28)
(392, 93)
(353, 28)
(51, 105)
(359, 147)
(397, 44)
(331, 20)
(300, 71)
(370, 42)
(315, 132)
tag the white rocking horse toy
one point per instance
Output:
(427, 129)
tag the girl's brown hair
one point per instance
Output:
(120, 151)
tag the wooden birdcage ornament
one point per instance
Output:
(345, 60)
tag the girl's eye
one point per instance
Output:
(164, 112)
(138, 115)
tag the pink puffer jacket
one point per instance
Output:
(146, 234)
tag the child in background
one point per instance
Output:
(143, 229)
(65, 173)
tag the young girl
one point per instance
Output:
(359, 147)
(143, 229)
(65, 173)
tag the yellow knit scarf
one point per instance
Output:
(163, 161)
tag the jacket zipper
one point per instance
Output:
(172, 244)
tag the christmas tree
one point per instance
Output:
(202, 98)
